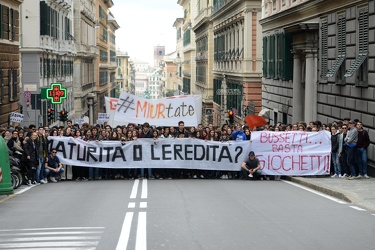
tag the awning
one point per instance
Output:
(265, 113)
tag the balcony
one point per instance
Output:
(219, 5)
(205, 13)
(49, 43)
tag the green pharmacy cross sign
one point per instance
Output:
(56, 93)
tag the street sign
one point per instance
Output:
(228, 92)
(27, 95)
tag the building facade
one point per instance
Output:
(318, 62)
(47, 54)
(125, 72)
(237, 59)
(204, 43)
(170, 76)
(84, 70)
(107, 55)
(9, 60)
(188, 48)
(159, 53)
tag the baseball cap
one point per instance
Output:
(251, 153)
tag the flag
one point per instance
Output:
(254, 121)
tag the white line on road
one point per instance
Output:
(51, 238)
(144, 189)
(131, 205)
(143, 204)
(50, 228)
(141, 242)
(358, 208)
(133, 194)
(125, 232)
(316, 192)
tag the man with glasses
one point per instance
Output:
(53, 167)
(362, 144)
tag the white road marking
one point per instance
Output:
(143, 204)
(51, 228)
(141, 242)
(133, 194)
(144, 189)
(125, 232)
(358, 208)
(316, 192)
(49, 238)
(20, 191)
(49, 244)
(131, 205)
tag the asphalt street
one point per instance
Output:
(181, 214)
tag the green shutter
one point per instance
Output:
(288, 59)
(272, 57)
(265, 59)
(1, 21)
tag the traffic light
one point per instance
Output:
(52, 115)
(63, 116)
(49, 113)
(231, 116)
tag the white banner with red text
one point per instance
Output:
(293, 152)
(159, 112)
(279, 153)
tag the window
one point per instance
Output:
(265, 41)
(105, 35)
(103, 78)
(12, 84)
(361, 60)
(112, 55)
(186, 37)
(341, 48)
(103, 56)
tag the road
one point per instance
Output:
(181, 214)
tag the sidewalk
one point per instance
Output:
(359, 192)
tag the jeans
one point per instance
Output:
(362, 160)
(94, 173)
(48, 172)
(336, 164)
(39, 175)
(351, 153)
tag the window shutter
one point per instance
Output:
(15, 85)
(288, 59)
(265, 61)
(272, 57)
(324, 50)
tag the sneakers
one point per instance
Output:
(334, 176)
(250, 175)
(343, 176)
(358, 177)
(36, 183)
(29, 183)
(350, 178)
(52, 179)
(366, 176)
(78, 179)
(43, 181)
(340, 176)
(195, 176)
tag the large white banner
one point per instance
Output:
(279, 153)
(292, 153)
(148, 153)
(160, 112)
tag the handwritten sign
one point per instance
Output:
(160, 112)
(293, 153)
(16, 117)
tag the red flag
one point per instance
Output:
(254, 121)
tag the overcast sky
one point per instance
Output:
(145, 24)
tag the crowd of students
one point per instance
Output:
(349, 147)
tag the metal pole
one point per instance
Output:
(224, 100)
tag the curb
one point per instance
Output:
(324, 190)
